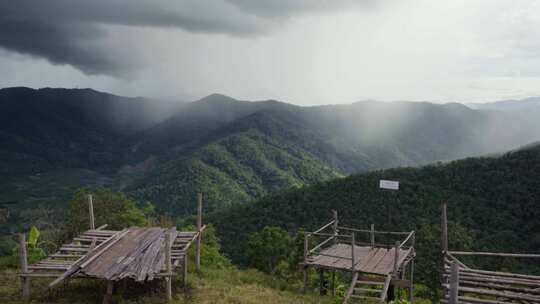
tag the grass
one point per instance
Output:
(229, 285)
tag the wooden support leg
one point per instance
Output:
(411, 288)
(305, 269)
(25, 281)
(168, 266)
(168, 288)
(107, 299)
(322, 290)
(333, 282)
(391, 293)
(185, 271)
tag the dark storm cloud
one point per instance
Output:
(73, 31)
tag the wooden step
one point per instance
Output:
(369, 283)
(368, 290)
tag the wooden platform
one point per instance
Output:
(135, 253)
(369, 260)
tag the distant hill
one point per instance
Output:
(531, 103)
(491, 200)
(64, 128)
(233, 150)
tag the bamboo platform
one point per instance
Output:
(141, 254)
(377, 269)
(466, 285)
(371, 260)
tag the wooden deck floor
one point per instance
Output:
(136, 253)
(369, 260)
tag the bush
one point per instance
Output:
(112, 208)
(268, 247)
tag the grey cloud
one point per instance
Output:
(73, 31)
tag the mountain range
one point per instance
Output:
(56, 140)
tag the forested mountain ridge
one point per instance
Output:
(55, 140)
(492, 206)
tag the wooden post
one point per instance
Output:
(396, 259)
(185, 271)
(411, 288)
(25, 281)
(372, 235)
(305, 266)
(168, 265)
(321, 282)
(107, 299)
(352, 252)
(91, 212)
(335, 226)
(444, 230)
(453, 296)
(333, 282)
(199, 227)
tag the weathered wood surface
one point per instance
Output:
(477, 284)
(137, 253)
(367, 259)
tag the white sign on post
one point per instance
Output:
(388, 184)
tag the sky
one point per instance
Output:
(306, 52)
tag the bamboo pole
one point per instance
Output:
(333, 282)
(91, 212)
(168, 279)
(453, 295)
(372, 235)
(495, 254)
(321, 281)
(352, 251)
(335, 226)
(25, 281)
(185, 271)
(199, 226)
(444, 229)
(107, 299)
(305, 267)
(411, 288)
(396, 259)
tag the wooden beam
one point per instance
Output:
(25, 281)
(91, 212)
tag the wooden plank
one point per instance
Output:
(94, 254)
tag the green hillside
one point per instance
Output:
(55, 140)
(492, 203)
(259, 156)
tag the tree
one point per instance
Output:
(268, 247)
(112, 208)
